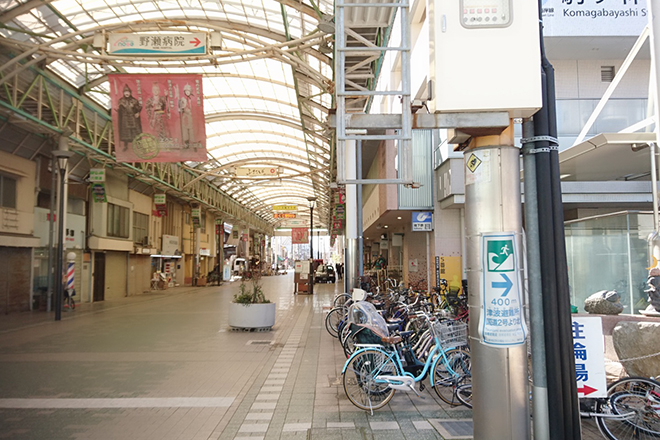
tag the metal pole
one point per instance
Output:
(221, 252)
(571, 404)
(311, 247)
(499, 356)
(537, 329)
(197, 244)
(60, 248)
(360, 229)
(51, 223)
(352, 269)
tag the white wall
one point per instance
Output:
(21, 219)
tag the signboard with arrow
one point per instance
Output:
(589, 351)
(501, 321)
(157, 44)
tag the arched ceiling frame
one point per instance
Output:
(259, 116)
(280, 49)
(265, 117)
(272, 160)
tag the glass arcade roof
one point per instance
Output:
(267, 87)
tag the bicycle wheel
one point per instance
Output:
(347, 341)
(341, 300)
(629, 416)
(360, 383)
(635, 385)
(332, 321)
(444, 382)
(464, 394)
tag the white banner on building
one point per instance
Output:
(612, 18)
(170, 245)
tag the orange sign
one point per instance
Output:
(284, 215)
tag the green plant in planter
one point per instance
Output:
(250, 294)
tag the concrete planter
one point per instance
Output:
(252, 315)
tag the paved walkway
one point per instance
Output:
(166, 366)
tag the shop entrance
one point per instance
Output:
(99, 276)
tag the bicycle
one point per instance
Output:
(630, 411)
(68, 301)
(374, 372)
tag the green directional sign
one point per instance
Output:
(501, 321)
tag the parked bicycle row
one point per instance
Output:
(394, 340)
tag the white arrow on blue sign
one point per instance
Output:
(501, 322)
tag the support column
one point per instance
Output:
(351, 270)
(197, 262)
(220, 251)
(499, 369)
(537, 326)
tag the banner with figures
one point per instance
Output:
(299, 235)
(158, 118)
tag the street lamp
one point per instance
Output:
(312, 203)
(62, 157)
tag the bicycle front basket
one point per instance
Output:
(451, 333)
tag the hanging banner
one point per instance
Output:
(97, 175)
(284, 215)
(285, 207)
(196, 215)
(160, 200)
(158, 118)
(339, 212)
(98, 192)
(501, 322)
(299, 235)
(257, 171)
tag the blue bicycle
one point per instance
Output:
(374, 372)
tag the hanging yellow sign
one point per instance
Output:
(285, 207)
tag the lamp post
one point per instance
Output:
(62, 157)
(312, 203)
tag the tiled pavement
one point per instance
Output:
(166, 366)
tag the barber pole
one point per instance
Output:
(70, 272)
(70, 275)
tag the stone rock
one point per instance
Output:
(633, 340)
(604, 302)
